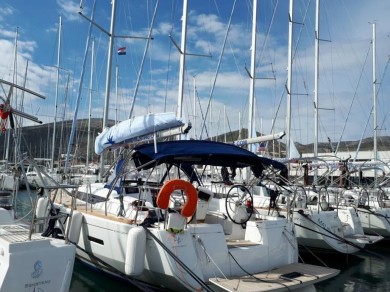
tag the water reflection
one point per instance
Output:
(365, 271)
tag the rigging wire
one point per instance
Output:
(293, 58)
(173, 9)
(263, 48)
(353, 99)
(218, 66)
(143, 59)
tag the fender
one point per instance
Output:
(167, 189)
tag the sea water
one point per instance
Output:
(366, 270)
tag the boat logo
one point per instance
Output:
(110, 140)
(38, 270)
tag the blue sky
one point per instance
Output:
(345, 60)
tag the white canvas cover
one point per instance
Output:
(135, 128)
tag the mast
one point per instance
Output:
(90, 101)
(19, 130)
(183, 42)
(316, 72)
(108, 78)
(16, 96)
(116, 92)
(116, 101)
(374, 97)
(252, 73)
(15, 75)
(56, 97)
(194, 88)
(224, 122)
(289, 75)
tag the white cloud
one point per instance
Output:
(6, 12)
(69, 9)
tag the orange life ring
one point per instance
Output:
(178, 184)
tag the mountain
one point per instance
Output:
(366, 144)
(37, 141)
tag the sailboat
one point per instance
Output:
(27, 254)
(369, 197)
(154, 223)
(316, 226)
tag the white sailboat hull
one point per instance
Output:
(203, 248)
(339, 230)
(39, 264)
(375, 221)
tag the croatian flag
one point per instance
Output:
(122, 51)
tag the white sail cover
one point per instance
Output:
(135, 129)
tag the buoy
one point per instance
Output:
(135, 251)
(178, 184)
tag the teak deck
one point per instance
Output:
(290, 276)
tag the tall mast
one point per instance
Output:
(116, 92)
(116, 101)
(374, 96)
(289, 75)
(108, 77)
(316, 72)
(183, 42)
(56, 97)
(252, 73)
(15, 75)
(194, 86)
(90, 101)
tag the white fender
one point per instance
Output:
(135, 251)
(42, 207)
(75, 227)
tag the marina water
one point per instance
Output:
(367, 270)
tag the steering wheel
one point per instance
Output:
(239, 204)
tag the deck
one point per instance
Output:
(290, 276)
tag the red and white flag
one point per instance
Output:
(122, 51)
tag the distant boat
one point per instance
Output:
(316, 226)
